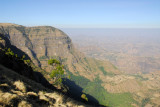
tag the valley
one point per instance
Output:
(80, 53)
(115, 74)
(131, 50)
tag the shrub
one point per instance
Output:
(16, 55)
(9, 52)
(28, 62)
(43, 57)
(58, 71)
(53, 61)
(83, 96)
(23, 57)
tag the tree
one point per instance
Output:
(53, 61)
(83, 96)
(57, 72)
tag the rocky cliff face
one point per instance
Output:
(44, 42)
(22, 83)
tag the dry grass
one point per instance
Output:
(18, 94)
(20, 86)
(24, 104)
(6, 98)
(32, 94)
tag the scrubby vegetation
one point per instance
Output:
(53, 61)
(19, 91)
(145, 101)
(95, 89)
(79, 80)
(106, 72)
(139, 77)
(83, 96)
(43, 57)
(10, 53)
(57, 71)
(21, 85)
(114, 100)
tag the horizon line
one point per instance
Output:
(86, 27)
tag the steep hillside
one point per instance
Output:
(44, 42)
(22, 84)
(100, 80)
(19, 91)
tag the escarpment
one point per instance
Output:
(100, 80)
(44, 42)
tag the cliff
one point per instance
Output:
(22, 86)
(44, 42)
(100, 79)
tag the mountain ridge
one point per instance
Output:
(22, 84)
(42, 43)
(98, 78)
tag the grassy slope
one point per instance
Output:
(95, 89)
(113, 100)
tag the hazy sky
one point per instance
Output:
(82, 13)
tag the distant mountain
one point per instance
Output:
(136, 51)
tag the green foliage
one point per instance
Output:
(79, 80)
(44, 92)
(145, 101)
(9, 52)
(105, 72)
(0, 38)
(102, 69)
(139, 77)
(43, 57)
(16, 55)
(114, 66)
(109, 99)
(97, 80)
(64, 59)
(69, 76)
(23, 57)
(86, 60)
(58, 71)
(83, 96)
(53, 61)
(28, 62)
(95, 89)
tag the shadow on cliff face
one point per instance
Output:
(18, 65)
(17, 51)
(7, 44)
(21, 68)
(75, 92)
